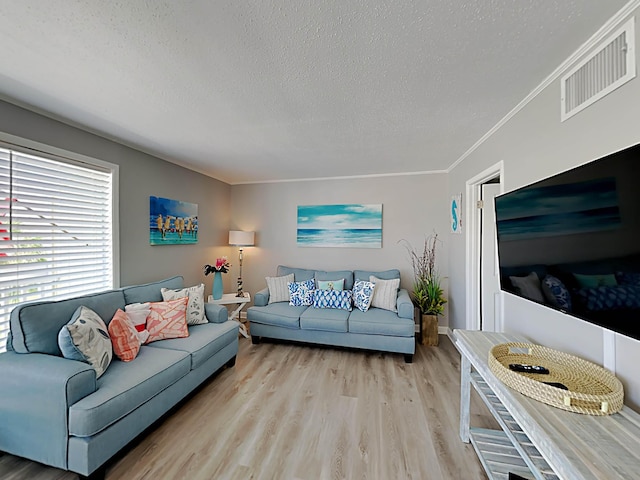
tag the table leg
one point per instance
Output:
(235, 315)
(465, 397)
(243, 330)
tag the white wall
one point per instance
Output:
(534, 144)
(412, 208)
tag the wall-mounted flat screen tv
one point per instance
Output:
(572, 241)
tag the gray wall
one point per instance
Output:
(141, 176)
(534, 144)
(412, 208)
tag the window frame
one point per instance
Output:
(29, 147)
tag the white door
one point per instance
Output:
(490, 309)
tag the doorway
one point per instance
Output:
(483, 297)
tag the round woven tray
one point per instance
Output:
(591, 389)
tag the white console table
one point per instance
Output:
(538, 441)
(233, 299)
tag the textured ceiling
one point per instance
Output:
(249, 91)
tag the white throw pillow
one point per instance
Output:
(195, 307)
(279, 288)
(385, 293)
(86, 339)
(138, 313)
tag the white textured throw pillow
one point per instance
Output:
(385, 293)
(195, 307)
(278, 288)
(86, 339)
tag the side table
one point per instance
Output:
(231, 299)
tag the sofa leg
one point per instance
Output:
(96, 475)
(255, 339)
(231, 362)
(408, 359)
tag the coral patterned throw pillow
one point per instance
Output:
(167, 320)
(124, 337)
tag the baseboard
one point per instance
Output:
(450, 335)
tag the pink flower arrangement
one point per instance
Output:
(222, 265)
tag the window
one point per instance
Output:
(56, 229)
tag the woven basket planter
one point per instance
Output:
(591, 390)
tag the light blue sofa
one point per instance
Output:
(54, 411)
(375, 329)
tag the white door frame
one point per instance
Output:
(472, 241)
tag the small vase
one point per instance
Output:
(216, 289)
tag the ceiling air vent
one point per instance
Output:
(605, 69)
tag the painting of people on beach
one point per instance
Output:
(353, 225)
(172, 222)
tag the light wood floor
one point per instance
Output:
(300, 412)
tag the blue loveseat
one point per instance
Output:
(376, 329)
(54, 411)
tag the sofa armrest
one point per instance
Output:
(37, 390)
(261, 298)
(404, 304)
(216, 313)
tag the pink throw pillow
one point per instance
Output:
(124, 337)
(168, 320)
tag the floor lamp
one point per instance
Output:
(238, 238)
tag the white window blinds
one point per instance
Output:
(56, 231)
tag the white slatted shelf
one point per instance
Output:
(520, 443)
(497, 454)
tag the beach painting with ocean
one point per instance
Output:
(351, 225)
(172, 222)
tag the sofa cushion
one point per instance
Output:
(277, 314)
(278, 289)
(86, 339)
(377, 321)
(593, 281)
(168, 320)
(125, 387)
(299, 274)
(203, 342)
(385, 293)
(150, 292)
(301, 293)
(362, 294)
(331, 284)
(336, 275)
(384, 275)
(124, 337)
(332, 299)
(324, 319)
(195, 307)
(528, 287)
(35, 326)
(556, 293)
(138, 313)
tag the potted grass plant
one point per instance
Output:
(427, 292)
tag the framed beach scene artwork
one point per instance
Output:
(351, 225)
(172, 222)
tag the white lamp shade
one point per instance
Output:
(239, 238)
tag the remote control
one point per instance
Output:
(521, 367)
(557, 385)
